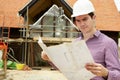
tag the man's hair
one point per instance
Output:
(91, 14)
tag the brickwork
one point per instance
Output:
(8, 12)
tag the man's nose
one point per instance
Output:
(82, 23)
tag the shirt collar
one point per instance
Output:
(96, 34)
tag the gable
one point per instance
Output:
(37, 9)
(53, 23)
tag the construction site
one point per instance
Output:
(21, 25)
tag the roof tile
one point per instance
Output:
(8, 12)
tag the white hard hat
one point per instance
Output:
(82, 7)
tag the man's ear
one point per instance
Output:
(94, 17)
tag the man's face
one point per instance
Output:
(85, 23)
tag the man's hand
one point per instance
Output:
(97, 69)
(26, 68)
(44, 56)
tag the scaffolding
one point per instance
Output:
(53, 27)
(4, 36)
(54, 24)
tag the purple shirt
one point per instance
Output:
(104, 51)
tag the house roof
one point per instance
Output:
(107, 15)
(37, 9)
(108, 18)
(8, 12)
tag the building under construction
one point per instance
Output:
(23, 21)
(52, 21)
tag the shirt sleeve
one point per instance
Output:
(112, 61)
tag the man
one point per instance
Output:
(103, 48)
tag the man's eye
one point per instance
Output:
(85, 19)
(77, 20)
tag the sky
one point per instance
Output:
(117, 2)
